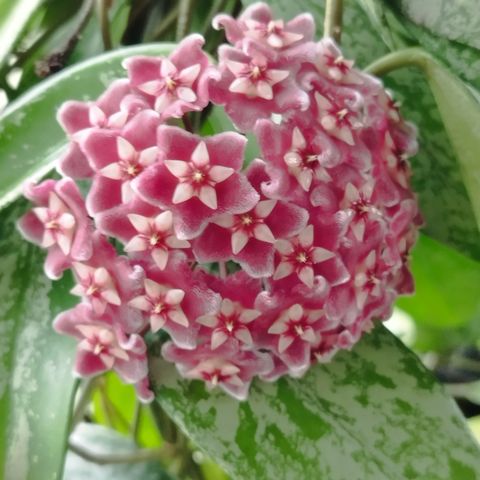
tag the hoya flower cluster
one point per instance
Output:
(253, 268)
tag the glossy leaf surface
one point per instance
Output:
(371, 413)
(36, 381)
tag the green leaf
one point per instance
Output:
(462, 59)
(30, 138)
(460, 113)
(36, 381)
(101, 440)
(372, 413)
(446, 293)
(14, 16)
(48, 32)
(458, 21)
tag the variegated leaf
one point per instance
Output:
(36, 382)
(373, 413)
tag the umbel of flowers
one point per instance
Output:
(253, 269)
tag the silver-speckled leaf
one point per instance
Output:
(36, 381)
(458, 21)
(374, 413)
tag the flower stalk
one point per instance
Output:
(332, 26)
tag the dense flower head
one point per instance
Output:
(251, 267)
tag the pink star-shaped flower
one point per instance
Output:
(296, 334)
(257, 23)
(176, 84)
(369, 279)
(155, 235)
(231, 322)
(252, 86)
(330, 61)
(299, 255)
(300, 161)
(128, 164)
(230, 370)
(96, 285)
(255, 78)
(397, 160)
(101, 342)
(197, 179)
(249, 225)
(111, 111)
(248, 238)
(338, 119)
(303, 162)
(161, 304)
(118, 158)
(59, 222)
(358, 202)
(103, 345)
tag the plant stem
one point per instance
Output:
(137, 419)
(407, 57)
(106, 403)
(222, 268)
(166, 23)
(162, 454)
(184, 465)
(187, 123)
(83, 401)
(183, 21)
(332, 25)
(102, 10)
(168, 430)
(217, 6)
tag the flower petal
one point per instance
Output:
(208, 196)
(200, 156)
(283, 270)
(219, 337)
(178, 168)
(263, 233)
(182, 193)
(218, 173)
(239, 240)
(306, 236)
(160, 257)
(125, 149)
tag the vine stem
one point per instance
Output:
(137, 418)
(187, 123)
(166, 23)
(407, 57)
(102, 9)
(83, 401)
(222, 267)
(184, 17)
(332, 25)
